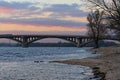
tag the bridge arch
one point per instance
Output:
(25, 41)
(66, 39)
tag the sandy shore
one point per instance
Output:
(108, 63)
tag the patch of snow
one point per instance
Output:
(117, 42)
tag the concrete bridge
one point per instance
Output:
(25, 40)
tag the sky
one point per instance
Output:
(43, 17)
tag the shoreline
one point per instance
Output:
(107, 65)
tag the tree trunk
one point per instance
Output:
(96, 44)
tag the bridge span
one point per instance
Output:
(25, 40)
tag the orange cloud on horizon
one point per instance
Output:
(20, 27)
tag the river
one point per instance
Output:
(17, 63)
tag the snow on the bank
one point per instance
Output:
(116, 42)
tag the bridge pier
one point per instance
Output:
(78, 41)
(24, 42)
(24, 45)
(78, 44)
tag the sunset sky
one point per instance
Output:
(43, 16)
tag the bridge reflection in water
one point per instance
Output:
(25, 40)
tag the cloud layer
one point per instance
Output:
(41, 14)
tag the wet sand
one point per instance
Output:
(108, 63)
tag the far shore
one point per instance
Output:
(108, 63)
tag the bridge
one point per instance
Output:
(25, 40)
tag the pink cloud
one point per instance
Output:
(5, 9)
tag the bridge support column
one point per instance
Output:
(78, 42)
(24, 43)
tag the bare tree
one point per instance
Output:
(112, 9)
(96, 29)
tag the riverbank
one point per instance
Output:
(108, 63)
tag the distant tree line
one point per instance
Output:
(105, 17)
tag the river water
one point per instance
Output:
(17, 63)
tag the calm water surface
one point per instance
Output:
(18, 63)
